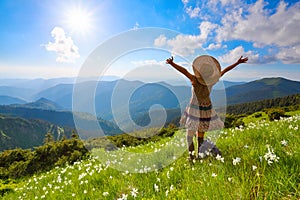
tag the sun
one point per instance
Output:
(79, 20)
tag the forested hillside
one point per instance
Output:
(16, 132)
(292, 101)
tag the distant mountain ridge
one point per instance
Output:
(7, 100)
(110, 102)
(42, 103)
(266, 88)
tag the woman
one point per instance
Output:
(199, 116)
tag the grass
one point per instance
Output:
(266, 155)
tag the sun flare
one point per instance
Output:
(79, 20)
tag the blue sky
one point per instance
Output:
(48, 39)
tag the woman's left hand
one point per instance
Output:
(242, 60)
(170, 60)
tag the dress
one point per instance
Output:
(199, 114)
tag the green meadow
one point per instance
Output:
(259, 161)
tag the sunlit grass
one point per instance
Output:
(259, 161)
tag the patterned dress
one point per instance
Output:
(199, 115)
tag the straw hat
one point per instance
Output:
(207, 69)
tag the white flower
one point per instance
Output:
(105, 194)
(171, 187)
(124, 197)
(201, 155)
(236, 160)
(270, 156)
(254, 167)
(214, 175)
(156, 188)
(219, 157)
(134, 192)
(84, 192)
(73, 195)
(229, 179)
(284, 142)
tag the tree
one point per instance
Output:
(49, 138)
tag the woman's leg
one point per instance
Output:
(189, 139)
(200, 138)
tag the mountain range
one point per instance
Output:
(118, 104)
(130, 99)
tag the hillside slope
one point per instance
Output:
(16, 132)
(61, 118)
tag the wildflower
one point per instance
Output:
(105, 194)
(229, 179)
(167, 192)
(214, 175)
(270, 156)
(156, 188)
(254, 167)
(219, 157)
(134, 192)
(73, 195)
(236, 160)
(171, 187)
(284, 142)
(124, 197)
(84, 192)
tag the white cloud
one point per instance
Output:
(186, 45)
(147, 62)
(258, 26)
(213, 46)
(255, 23)
(160, 41)
(193, 12)
(289, 55)
(185, 2)
(236, 53)
(64, 46)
